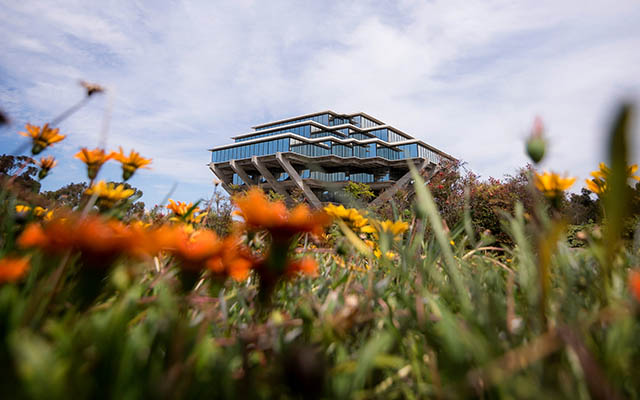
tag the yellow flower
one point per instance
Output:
(93, 159)
(109, 194)
(389, 255)
(395, 229)
(131, 163)
(37, 211)
(597, 185)
(43, 213)
(603, 171)
(22, 209)
(551, 184)
(631, 171)
(42, 137)
(185, 212)
(351, 216)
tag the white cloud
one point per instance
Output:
(467, 77)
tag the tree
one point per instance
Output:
(69, 196)
(582, 209)
(72, 196)
(359, 191)
(26, 169)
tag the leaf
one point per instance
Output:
(354, 239)
(367, 360)
(426, 206)
(617, 202)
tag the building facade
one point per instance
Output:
(319, 153)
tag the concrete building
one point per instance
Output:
(321, 152)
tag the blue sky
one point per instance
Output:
(184, 76)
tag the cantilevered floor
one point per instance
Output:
(284, 172)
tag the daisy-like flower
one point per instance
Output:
(45, 164)
(351, 216)
(202, 250)
(388, 230)
(261, 214)
(93, 159)
(38, 211)
(130, 163)
(43, 213)
(185, 212)
(597, 186)
(99, 241)
(551, 185)
(22, 209)
(13, 268)
(599, 183)
(109, 194)
(394, 229)
(42, 137)
(91, 88)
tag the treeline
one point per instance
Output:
(456, 189)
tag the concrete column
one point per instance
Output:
(286, 165)
(243, 175)
(224, 181)
(269, 177)
(400, 183)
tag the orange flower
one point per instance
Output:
(13, 268)
(306, 266)
(260, 213)
(131, 163)
(194, 250)
(42, 137)
(234, 260)
(202, 250)
(46, 163)
(93, 159)
(55, 240)
(634, 284)
(238, 268)
(99, 241)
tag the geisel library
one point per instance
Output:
(320, 153)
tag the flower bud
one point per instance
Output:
(92, 171)
(126, 173)
(37, 149)
(536, 143)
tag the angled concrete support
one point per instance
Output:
(402, 182)
(433, 173)
(224, 181)
(286, 165)
(243, 175)
(269, 177)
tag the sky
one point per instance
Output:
(468, 77)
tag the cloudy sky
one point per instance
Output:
(183, 76)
